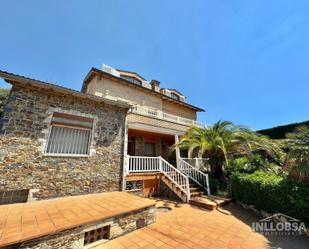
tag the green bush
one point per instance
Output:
(272, 193)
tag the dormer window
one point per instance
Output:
(175, 96)
(131, 79)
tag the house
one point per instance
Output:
(57, 142)
(157, 114)
(157, 117)
(113, 135)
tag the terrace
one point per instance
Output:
(158, 114)
(187, 227)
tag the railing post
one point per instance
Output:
(160, 163)
(188, 188)
(196, 162)
(208, 188)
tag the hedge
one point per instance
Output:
(279, 132)
(272, 193)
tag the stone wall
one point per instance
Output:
(74, 238)
(23, 164)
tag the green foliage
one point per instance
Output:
(4, 94)
(298, 151)
(251, 164)
(280, 131)
(224, 140)
(272, 193)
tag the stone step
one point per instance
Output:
(220, 201)
(194, 189)
(203, 203)
(196, 194)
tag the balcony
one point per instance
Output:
(149, 112)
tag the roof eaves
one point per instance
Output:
(11, 78)
(95, 70)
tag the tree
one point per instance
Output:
(223, 140)
(297, 160)
(4, 94)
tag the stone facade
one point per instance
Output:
(24, 128)
(74, 238)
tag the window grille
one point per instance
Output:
(69, 135)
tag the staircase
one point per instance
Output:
(199, 187)
(187, 182)
(172, 177)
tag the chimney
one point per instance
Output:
(155, 85)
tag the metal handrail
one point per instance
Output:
(195, 174)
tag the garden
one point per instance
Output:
(272, 175)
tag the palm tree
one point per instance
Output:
(297, 161)
(223, 140)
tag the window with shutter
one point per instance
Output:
(69, 135)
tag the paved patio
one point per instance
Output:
(191, 227)
(26, 221)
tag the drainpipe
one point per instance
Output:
(125, 164)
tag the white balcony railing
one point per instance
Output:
(163, 115)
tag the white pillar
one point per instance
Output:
(177, 149)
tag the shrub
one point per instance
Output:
(272, 193)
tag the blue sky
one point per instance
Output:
(244, 61)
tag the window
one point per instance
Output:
(69, 135)
(174, 96)
(131, 79)
(13, 196)
(150, 149)
(134, 185)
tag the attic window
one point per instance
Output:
(69, 135)
(175, 96)
(131, 79)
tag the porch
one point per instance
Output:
(151, 144)
(150, 166)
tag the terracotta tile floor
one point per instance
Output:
(24, 221)
(190, 227)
